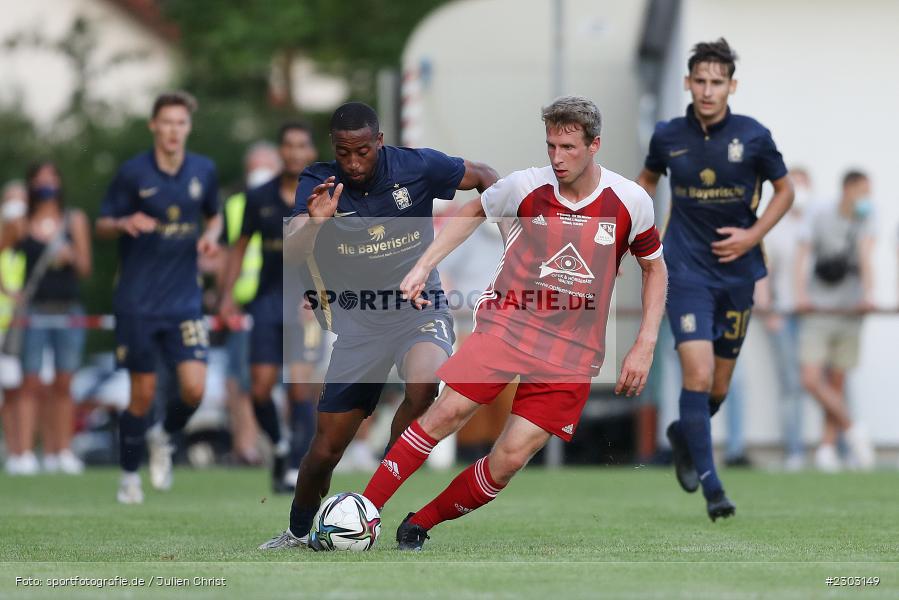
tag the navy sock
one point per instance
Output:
(302, 425)
(696, 427)
(715, 405)
(177, 414)
(301, 519)
(131, 441)
(267, 417)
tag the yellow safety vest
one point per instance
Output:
(248, 281)
(12, 270)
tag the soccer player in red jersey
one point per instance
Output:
(542, 319)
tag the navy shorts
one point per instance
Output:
(720, 315)
(140, 340)
(271, 341)
(360, 365)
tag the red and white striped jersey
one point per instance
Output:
(551, 292)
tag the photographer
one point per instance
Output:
(835, 285)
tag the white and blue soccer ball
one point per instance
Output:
(346, 521)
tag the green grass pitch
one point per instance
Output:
(570, 533)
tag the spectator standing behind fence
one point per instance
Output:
(775, 297)
(261, 164)
(835, 276)
(12, 275)
(57, 248)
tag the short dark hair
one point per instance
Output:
(176, 98)
(853, 176)
(718, 51)
(293, 126)
(353, 116)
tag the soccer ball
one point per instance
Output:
(346, 521)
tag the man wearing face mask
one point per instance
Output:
(835, 275)
(775, 295)
(261, 164)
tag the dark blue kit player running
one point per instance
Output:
(383, 196)
(264, 212)
(716, 162)
(163, 208)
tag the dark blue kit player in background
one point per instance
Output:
(163, 208)
(716, 162)
(264, 212)
(367, 195)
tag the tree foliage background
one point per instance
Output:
(227, 51)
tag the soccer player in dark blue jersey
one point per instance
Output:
(163, 208)
(370, 182)
(266, 208)
(716, 162)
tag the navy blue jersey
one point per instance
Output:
(158, 273)
(716, 181)
(265, 212)
(373, 243)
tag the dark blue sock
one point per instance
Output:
(696, 427)
(302, 425)
(267, 417)
(715, 405)
(301, 519)
(131, 441)
(177, 414)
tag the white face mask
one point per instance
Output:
(14, 208)
(257, 177)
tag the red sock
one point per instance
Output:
(407, 454)
(471, 489)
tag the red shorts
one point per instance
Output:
(548, 396)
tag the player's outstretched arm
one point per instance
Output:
(208, 244)
(233, 262)
(479, 176)
(460, 227)
(739, 241)
(648, 180)
(635, 368)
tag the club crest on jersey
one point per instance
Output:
(735, 151)
(195, 188)
(568, 266)
(708, 177)
(402, 198)
(605, 234)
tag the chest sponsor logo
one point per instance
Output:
(195, 188)
(676, 153)
(605, 234)
(402, 198)
(147, 192)
(707, 177)
(377, 233)
(568, 266)
(173, 213)
(735, 151)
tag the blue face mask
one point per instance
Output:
(44, 193)
(862, 208)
